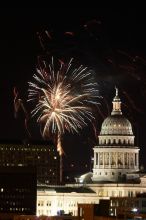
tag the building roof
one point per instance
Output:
(66, 189)
(116, 123)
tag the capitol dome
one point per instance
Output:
(116, 123)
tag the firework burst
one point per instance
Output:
(63, 97)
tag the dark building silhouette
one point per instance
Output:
(18, 190)
(91, 211)
(43, 156)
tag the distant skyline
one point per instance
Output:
(110, 42)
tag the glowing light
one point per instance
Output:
(134, 209)
(63, 97)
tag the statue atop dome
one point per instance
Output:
(116, 91)
(116, 104)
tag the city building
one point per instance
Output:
(51, 200)
(116, 157)
(43, 156)
(94, 211)
(115, 170)
(18, 190)
(128, 207)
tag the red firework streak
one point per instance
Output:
(18, 104)
(131, 102)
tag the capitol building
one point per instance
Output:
(116, 156)
(115, 170)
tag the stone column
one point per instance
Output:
(116, 159)
(103, 159)
(137, 160)
(128, 160)
(109, 160)
(133, 160)
(97, 159)
(94, 159)
(123, 160)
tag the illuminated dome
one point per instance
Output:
(116, 123)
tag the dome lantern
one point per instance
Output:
(116, 104)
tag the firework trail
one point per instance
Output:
(107, 106)
(16, 102)
(42, 38)
(95, 132)
(18, 105)
(90, 45)
(69, 33)
(132, 102)
(103, 116)
(64, 97)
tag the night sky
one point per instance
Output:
(110, 42)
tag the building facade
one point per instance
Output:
(42, 156)
(49, 202)
(115, 170)
(53, 199)
(116, 155)
(18, 190)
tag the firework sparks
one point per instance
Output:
(18, 105)
(16, 102)
(64, 98)
(114, 64)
